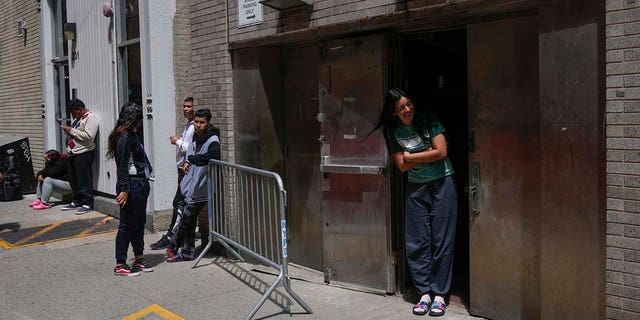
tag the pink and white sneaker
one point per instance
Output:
(35, 203)
(125, 270)
(41, 206)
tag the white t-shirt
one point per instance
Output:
(182, 145)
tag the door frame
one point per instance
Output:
(456, 134)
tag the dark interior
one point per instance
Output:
(435, 69)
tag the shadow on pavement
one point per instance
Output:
(253, 282)
(12, 226)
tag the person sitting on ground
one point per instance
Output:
(205, 146)
(54, 177)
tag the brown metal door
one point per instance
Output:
(355, 195)
(504, 168)
(303, 178)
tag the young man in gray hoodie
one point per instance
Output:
(205, 146)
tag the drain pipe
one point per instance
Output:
(113, 38)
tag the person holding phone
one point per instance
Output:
(81, 136)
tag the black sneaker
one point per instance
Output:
(124, 270)
(163, 243)
(141, 265)
(188, 254)
(71, 206)
(82, 210)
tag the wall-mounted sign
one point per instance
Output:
(249, 13)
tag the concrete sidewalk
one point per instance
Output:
(73, 279)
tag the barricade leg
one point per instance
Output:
(204, 251)
(287, 286)
(264, 298)
(284, 281)
(212, 238)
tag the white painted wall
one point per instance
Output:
(92, 75)
(157, 61)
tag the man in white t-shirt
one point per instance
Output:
(81, 145)
(182, 145)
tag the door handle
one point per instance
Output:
(474, 188)
(353, 169)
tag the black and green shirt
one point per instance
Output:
(405, 138)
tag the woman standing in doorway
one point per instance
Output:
(417, 144)
(132, 188)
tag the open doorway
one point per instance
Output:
(435, 74)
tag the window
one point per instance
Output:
(129, 72)
(60, 67)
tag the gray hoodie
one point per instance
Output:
(194, 184)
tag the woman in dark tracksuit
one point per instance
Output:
(416, 141)
(132, 188)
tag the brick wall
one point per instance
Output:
(211, 59)
(623, 158)
(20, 85)
(211, 68)
(182, 58)
(324, 12)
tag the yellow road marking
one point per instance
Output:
(37, 234)
(154, 308)
(52, 240)
(22, 243)
(6, 245)
(96, 226)
(42, 225)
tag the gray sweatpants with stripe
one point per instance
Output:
(48, 185)
(431, 211)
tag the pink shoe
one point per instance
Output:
(41, 206)
(35, 203)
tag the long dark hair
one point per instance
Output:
(129, 120)
(388, 121)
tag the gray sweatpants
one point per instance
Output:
(431, 212)
(48, 185)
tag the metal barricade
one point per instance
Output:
(246, 211)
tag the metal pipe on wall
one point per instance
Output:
(145, 57)
(114, 60)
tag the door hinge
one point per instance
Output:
(328, 274)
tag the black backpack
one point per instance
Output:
(10, 187)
